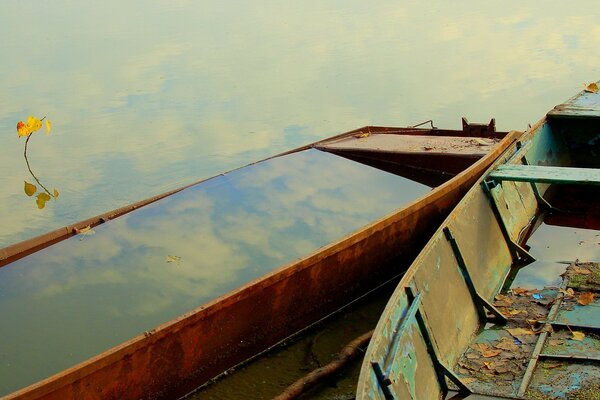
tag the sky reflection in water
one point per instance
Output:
(88, 293)
(147, 96)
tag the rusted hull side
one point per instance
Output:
(186, 352)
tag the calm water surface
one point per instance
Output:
(147, 96)
(86, 294)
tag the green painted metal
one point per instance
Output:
(544, 174)
(584, 105)
(488, 223)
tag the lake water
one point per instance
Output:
(81, 296)
(147, 96)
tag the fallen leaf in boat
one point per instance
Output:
(515, 312)
(578, 335)
(585, 298)
(467, 381)
(520, 291)
(490, 353)
(555, 342)
(472, 356)
(582, 271)
(30, 189)
(481, 347)
(174, 259)
(508, 345)
(552, 366)
(520, 331)
(48, 127)
(503, 301)
(362, 135)
(41, 200)
(592, 88)
(568, 293)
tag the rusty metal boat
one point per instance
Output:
(208, 335)
(462, 324)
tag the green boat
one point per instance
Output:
(502, 302)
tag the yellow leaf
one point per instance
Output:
(592, 88)
(30, 189)
(578, 335)
(56, 193)
(22, 129)
(42, 198)
(33, 124)
(520, 331)
(585, 298)
(48, 127)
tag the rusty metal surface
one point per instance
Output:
(185, 352)
(452, 284)
(411, 144)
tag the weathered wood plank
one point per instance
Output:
(544, 174)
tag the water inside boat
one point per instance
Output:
(561, 287)
(81, 296)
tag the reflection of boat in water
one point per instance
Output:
(226, 241)
(459, 323)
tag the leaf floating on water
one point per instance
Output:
(30, 189)
(585, 298)
(86, 231)
(56, 193)
(41, 200)
(48, 127)
(578, 335)
(592, 88)
(171, 259)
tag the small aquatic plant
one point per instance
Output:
(28, 129)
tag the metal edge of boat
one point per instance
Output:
(447, 294)
(183, 353)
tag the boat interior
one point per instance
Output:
(503, 302)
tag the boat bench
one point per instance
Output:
(545, 174)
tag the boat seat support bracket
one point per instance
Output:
(487, 312)
(520, 256)
(442, 371)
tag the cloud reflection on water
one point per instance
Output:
(190, 90)
(83, 295)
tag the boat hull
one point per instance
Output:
(181, 354)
